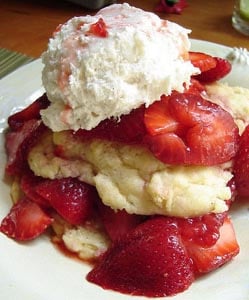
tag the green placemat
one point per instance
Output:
(10, 60)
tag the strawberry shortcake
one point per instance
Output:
(134, 154)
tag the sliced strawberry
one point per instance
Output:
(28, 185)
(222, 68)
(195, 87)
(241, 165)
(71, 198)
(117, 223)
(18, 144)
(196, 131)
(202, 61)
(129, 129)
(207, 259)
(25, 221)
(17, 120)
(137, 262)
(158, 118)
(150, 260)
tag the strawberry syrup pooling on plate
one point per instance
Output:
(153, 255)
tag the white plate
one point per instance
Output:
(38, 271)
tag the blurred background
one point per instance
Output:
(27, 25)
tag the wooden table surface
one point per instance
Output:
(25, 26)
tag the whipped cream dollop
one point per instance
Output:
(89, 78)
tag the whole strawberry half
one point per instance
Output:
(161, 255)
(150, 260)
(71, 198)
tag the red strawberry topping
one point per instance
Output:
(28, 185)
(129, 129)
(195, 87)
(241, 165)
(203, 231)
(18, 144)
(207, 259)
(117, 223)
(222, 68)
(17, 120)
(71, 198)
(138, 261)
(202, 61)
(150, 260)
(25, 221)
(187, 129)
(99, 29)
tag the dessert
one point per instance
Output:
(131, 163)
